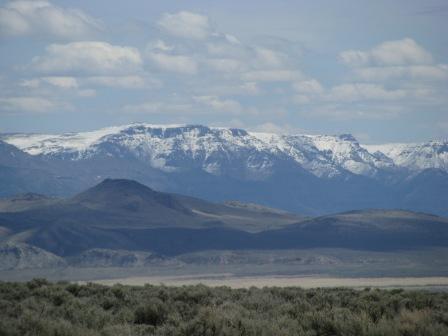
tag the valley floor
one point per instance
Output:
(419, 269)
(216, 280)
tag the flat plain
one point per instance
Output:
(217, 280)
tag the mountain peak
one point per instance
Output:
(121, 183)
(347, 137)
(123, 194)
(110, 187)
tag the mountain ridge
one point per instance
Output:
(82, 143)
(93, 220)
(309, 174)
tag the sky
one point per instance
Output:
(374, 69)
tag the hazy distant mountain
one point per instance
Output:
(25, 202)
(123, 215)
(372, 229)
(104, 216)
(14, 255)
(309, 174)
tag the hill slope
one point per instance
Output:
(105, 215)
(125, 215)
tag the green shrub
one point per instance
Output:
(43, 308)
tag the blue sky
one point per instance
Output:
(376, 69)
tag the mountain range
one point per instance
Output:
(307, 174)
(124, 220)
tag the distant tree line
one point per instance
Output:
(39, 307)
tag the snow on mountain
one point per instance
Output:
(50, 144)
(325, 156)
(415, 156)
(222, 150)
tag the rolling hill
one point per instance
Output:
(125, 215)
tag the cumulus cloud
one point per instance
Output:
(394, 60)
(354, 111)
(41, 17)
(230, 88)
(124, 82)
(269, 127)
(423, 72)
(62, 82)
(272, 75)
(389, 53)
(224, 48)
(160, 45)
(203, 48)
(250, 88)
(225, 64)
(90, 57)
(219, 104)
(174, 63)
(186, 24)
(361, 92)
(27, 104)
(312, 91)
(269, 58)
(156, 108)
(310, 86)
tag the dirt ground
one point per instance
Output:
(281, 281)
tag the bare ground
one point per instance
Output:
(282, 281)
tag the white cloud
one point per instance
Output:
(88, 58)
(230, 88)
(186, 24)
(174, 63)
(311, 86)
(272, 75)
(270, 127)
(394, 60)
(232, 39)
(312, 92)
(424, 72)
(361, 92)
(125, 82)
(160, 45)
(403, 66)
(158, 108)
(228, 50)
(356, 111)
(87, 93)
(250, 88)
(389, 53)
(269, 58)
(30, 83)
(216, 103)
(225, 64)
(62, 82)
(41, 17)
(26, 104)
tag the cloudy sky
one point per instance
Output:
(376, 69)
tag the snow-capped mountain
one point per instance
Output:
(309, 174)
(215, 150)
(415, 156)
